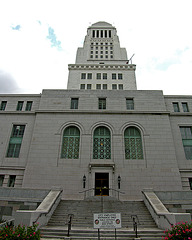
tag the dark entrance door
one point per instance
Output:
(101, 184)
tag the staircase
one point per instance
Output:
(82, 220)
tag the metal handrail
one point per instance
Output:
(87, 190)
(7, 223)
(135, 224)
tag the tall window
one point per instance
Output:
(104, 75)
(102, 103)
(104, 86)
(176, 107)
(11, 181)
(186, 134)
(19, 106)
(102, 143)
(185, 107)
(89, 76)
(113, 75)
(3, 105)
(98, 86)
(15, 141)
(83, 75)
(28, 106)
(133, 143)
(1, 180)
(70, 145)
(88, 86)
(129, 103)
(120, 76)
(190, 183)
(74, 103)
(114, 86)
(98, 75)
(82, 86)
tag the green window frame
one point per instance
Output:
(102, 143)
(114, 76)
(105, 76)
(15, 141)
(28, 106)
(133, 143)
(102, 103)
(98, 86)
(114, 86)
(74, 103)
(70, 143)
(186, 134)
(185, 107)
(120, 76)
(19, 105)
(129, 103)
(176, 107)
(89, 75)
(3, 105)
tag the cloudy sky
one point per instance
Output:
(39, 38)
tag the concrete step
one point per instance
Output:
(122, 234)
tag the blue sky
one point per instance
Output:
(39, 38)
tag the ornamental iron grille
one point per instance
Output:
(15, 141)
(186, 134)
(102, 143)
(70, 147)
(133, 143)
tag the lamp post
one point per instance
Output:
(84, 181)
(119, 182)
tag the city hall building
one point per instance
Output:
(101, 136)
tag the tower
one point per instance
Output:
(101, 63)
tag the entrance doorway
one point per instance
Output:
(101, 184)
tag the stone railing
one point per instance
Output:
(42, 214)
(163, 218)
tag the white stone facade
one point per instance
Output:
(163, 165)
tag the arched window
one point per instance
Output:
(70, 146)
(102, 143)
(133, 143)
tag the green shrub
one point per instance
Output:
(179, 231)
(20, 233)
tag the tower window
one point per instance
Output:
(97, 33)
(110, 33)
(102, 103)
(104, 75)
(89, 76)
(113, 75)
(101, 33)
(82, 86)
(104, 86)
(114, 86)
(83, 75)
(190, 183)
(98, 75)
(74, 103)
(120, 86)
(88, 86)
(98, 86)
(106, 33)
(120, 76)
(93, 33)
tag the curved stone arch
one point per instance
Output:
(133, 124)
(101, 124)
(70, 124)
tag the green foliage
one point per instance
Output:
(179, 231)
(20, 233)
